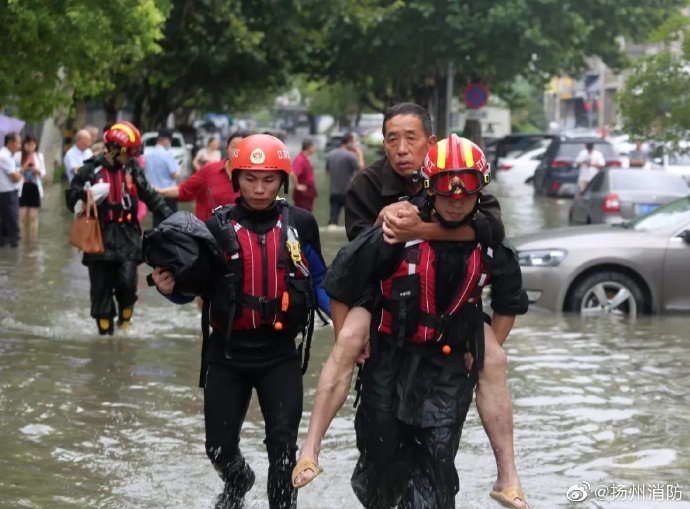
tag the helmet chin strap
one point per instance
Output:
(431, 199)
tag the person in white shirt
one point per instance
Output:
(210, 153)
(78, 153)
(590, 161)
(9, 200)
(33, 168)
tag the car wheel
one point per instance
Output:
(607, 293)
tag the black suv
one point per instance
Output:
(557, 172)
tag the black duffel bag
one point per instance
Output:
(183, 244)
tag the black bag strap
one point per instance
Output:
(306, 342)
(206, 336)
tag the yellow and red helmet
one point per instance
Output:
(260, 152)
(122, 137)
(455, 167)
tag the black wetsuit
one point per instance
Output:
(262, 359)
(113, 274)
(414, 399)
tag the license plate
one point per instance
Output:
(646, 208)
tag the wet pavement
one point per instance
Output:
(117, 422)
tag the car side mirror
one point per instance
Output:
(685, 235)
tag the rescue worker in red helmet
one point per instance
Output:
(261, 301)
(427, 335)
(113, 274)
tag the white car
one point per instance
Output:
(519, 169)
(180, 150)
(678, 163)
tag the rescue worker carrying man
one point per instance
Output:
(113, 274)
(261, 297)
(426, 336)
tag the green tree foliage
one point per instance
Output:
(655, 102)
(56, 50)
(402, 51)
(219, 55)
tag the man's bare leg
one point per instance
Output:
(496, 412)
(352, 333)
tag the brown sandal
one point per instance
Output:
(303, 465)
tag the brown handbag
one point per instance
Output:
(86, 228)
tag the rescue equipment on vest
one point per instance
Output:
(409, 305)
(267, 282)
(122, 201)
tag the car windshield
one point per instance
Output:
(671, 216)
(571, 150)
(631, 180)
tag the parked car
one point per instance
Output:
(520, 169)
(674, 160)
(514, 144)
(615, 195)
(335, 138)
(181, 151)
(640, 266)
(557, 173)
(333, 141)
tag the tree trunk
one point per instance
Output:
(112, 105)
(79, 113)
(52, 145)
(440, 89)
(473, 131)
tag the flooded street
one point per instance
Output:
(116, 422)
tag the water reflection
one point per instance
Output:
(117, 422)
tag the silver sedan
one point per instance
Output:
(615, 195)
(642, 266)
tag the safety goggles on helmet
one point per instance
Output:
(456, 167)
(123, 138)
(457, 182)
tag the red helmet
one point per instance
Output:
(455, 167)
(123, 137)
(261, 152)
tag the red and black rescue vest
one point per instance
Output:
(273, 286)
(122, 201)
(409, 304)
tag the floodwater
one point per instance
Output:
(602, 407)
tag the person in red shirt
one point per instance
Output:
(211, 186)
(302, 177)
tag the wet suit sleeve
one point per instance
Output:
(508, 297)
(487, 222)
(177, 298)
(359, 264)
